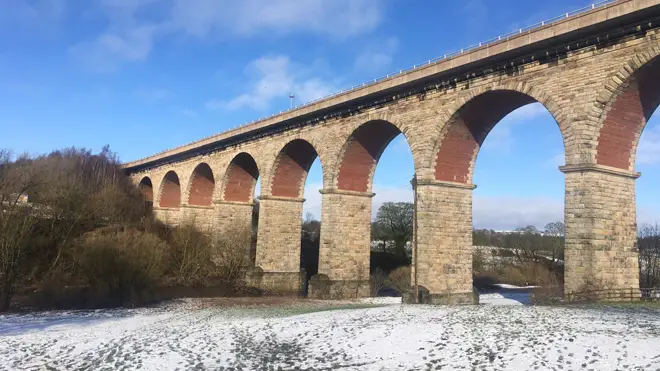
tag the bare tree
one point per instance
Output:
(554, 243)
(79, 191)
(16, 223)
(649, 255)
(394, 222)
(311, 228)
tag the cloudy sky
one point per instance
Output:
(146, 75)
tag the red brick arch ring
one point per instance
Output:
(361, 152)
(473, 117)
(170, 191)
(630, 98)
(240, 179)
(146, 189)
(201, 186)
(291, 168)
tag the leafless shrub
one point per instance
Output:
(119, 265)
(400, 279)
(190, 256)
(79, 191)
(229, 253)
(649, 255)
(378, 281)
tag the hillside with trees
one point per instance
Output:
(75, 232)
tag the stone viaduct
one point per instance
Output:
(597, 73)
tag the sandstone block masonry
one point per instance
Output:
(592, 72)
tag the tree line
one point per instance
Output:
(75, 232)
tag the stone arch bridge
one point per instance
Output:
(597, 73)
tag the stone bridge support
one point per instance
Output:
(232, 216)
(278, 244)
(444, 242)
(345, 246)
(601, 229)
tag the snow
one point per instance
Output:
(506, 294)
(507, 286)
(388, 337)
(379, 300)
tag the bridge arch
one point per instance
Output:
(146, 189)
(240, 178)
(291, 168)
(170, 191)
(473, 117)
(201, 186)
(629, 99)
(360, 154)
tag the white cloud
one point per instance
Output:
(313, 200)
(476, 13)
(377, 57)
(492, 212)
(111, 49)
(275, 77)
(507, 212)
(383, 194)
(34, 13)
(336, 18)
(390, 194)
(647, 215)
(132, 30)
(648, 151)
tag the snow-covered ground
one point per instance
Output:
(505, 294)
(186, 336)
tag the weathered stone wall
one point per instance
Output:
(345, 235)
(167, 216)
(601, 229)
(232, 215)
(202, 217)
(288, 283)
(576, 90)
(278, 239)
(444, 216)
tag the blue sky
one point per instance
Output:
(146, 75)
